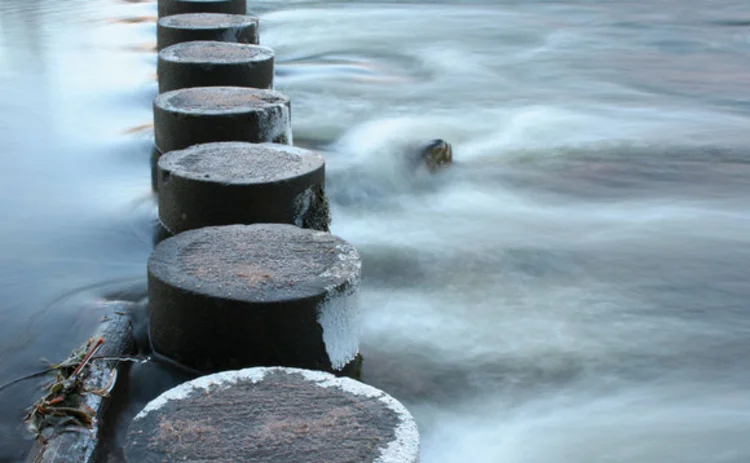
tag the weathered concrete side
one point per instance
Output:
(208, 64)
(171, 7)
(191, 116)
(255, 295)
(229, 183)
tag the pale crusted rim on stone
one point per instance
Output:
(214, 52)
(349, 266)
(228, 100)
(295, 267)
(404, 448)
(207, 20)
(251, 172)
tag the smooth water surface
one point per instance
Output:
(574, 289)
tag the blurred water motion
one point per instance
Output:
(574, 289)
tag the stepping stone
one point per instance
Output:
(218, 27)
(228, 183)
(279, 415)
(191, 116)
(207, 64)
(238, 296)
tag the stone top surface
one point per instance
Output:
(219, 100)
(210, 52)
(241, 163)
(258, 263)
(207, 20)
(282, 415)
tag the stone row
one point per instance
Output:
(249, 287)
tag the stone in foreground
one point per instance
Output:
(279, 415)
(207, 64)
(229, 183)
(171, 7)
(238, 296)
(191, 116)
(236, 28)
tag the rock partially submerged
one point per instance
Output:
(376, 173)
(435, 154)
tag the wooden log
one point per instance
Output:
(71, 444)
(236, 28)
(279, 415)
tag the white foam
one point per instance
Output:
(277, 123)
(349, 266)
(232, 34)
(339, 317)
(339, 314)
(286, 121)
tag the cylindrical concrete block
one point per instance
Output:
(170, 7)
(255, 295)
(234, 28)
(155, 155)
(190, 116)
(242, 183)
(279, 415)
(208, 64)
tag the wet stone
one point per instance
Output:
(242, 183)
(255, 295)
(206, 63)
(217, 27)
(191, 116)
(280, 415)
(172, 7)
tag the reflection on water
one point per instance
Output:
(574, 289)
(73, 187)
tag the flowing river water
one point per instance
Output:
(575, 289)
